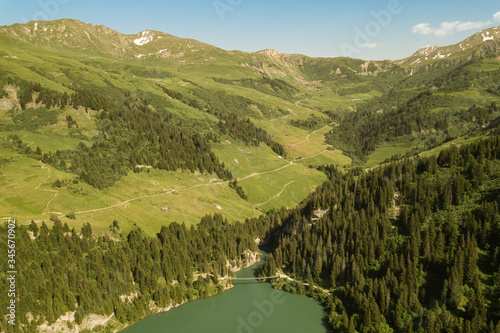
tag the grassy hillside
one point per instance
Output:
(78, 103)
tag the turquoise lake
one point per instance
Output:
(249, 307)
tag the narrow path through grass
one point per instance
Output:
(255, 174)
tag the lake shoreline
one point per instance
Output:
(251, 258)
(249, 306)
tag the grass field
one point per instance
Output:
(26, 193)
(286, 187)
(335, 157)
(385, 151)
(244, 160)
(47, 142)
(268, 181)
(137, 200)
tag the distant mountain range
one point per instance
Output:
(67, 35)
(475, 46)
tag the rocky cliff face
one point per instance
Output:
(248, 259)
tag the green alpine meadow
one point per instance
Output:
(139, 173)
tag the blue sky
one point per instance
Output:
(367, 29)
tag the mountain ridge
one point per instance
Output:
(478, 44)
(134, 45)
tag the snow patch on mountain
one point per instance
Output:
(439, 55)
(145, 38)
(139, 56)
(427, 50)
(418, 61)
(487, 37)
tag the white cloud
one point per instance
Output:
(448, 28)
(423, 28)
(370, 45)
(464, 26)
(496, 17)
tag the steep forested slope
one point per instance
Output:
(412, 246)
(63, 270)
(423, 114)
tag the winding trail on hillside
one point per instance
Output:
(106, 320)
(301, 100)
(56, 193)
(307, 137)
(292, 113)
(151, 196)
(265, 172)
(285, 116)
(255, 174)
(276, 196)
(305, 158)
(284, 276)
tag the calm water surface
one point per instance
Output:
(249, 307)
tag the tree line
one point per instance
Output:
(62, 269)
(266, 85)
(246, 131)
(424, 109)
(131, 133)
(411, 246)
